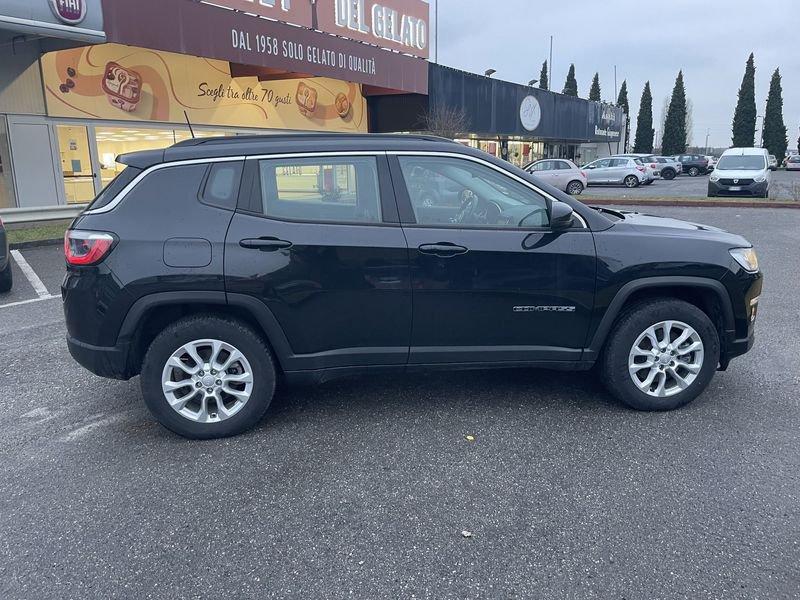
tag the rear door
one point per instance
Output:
(491, 281)
(316, 240)
(618, 168)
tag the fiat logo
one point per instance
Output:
(735, 181)
(71, 12)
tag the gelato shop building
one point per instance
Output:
(82, 81)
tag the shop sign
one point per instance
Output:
(80, 20)
(70, 12)
(296, 12)
(395, 24)
(530, 113)
(203, 30)
(117, 82)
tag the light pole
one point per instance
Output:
(761, 130)
(533, 82)
(489, 72)
(550, 67)
(708, 132)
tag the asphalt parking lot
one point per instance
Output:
(362, 488)
(785, 186)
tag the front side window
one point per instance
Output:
(343, 190)
(600, 164)
(745, 162)
(458, 192)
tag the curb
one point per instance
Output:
(36, 243)
(689, 203)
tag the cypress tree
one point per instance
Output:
(543, 81)
(594, 91)
(674, 139)
(774, 128)
(571, 84)
(744, 118)
(622, 102)
(644, 123)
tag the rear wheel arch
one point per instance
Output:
(709, 295)
(153, 313)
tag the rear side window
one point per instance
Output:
(222, 184)
(117, 184)
(339, 190)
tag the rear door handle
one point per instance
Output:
(443, 249)
(265, 244)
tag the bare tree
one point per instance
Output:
(445, 121)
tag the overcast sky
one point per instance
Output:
(710, 40)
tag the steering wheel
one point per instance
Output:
(530, 214)
(469, 202)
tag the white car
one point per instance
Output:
(741, 172)
(560, 173)
(626, 171)
(712, 163)
(793, 163)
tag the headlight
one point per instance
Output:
(747, 258)
(714, 178)
(760, 178)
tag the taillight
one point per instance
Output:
(583, 173)
(652, 165)
(86, 247)
(640, 169)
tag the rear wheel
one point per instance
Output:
(208, 377)
(661, 355)
(694, 172)
(631, 181)
(668, 174)
(6, 278)
(574, 188)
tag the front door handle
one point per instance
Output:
(443, 249)
(265, 244)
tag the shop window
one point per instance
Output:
(76, 163)
(336, 190)
(6, 184)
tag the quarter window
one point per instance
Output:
(452, 192)
(341, 190)
(222, 184)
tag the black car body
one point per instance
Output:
(318, 245)
(6, 280)
(693, 164)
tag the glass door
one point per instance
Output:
(76, 163)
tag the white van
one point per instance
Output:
(741, 172)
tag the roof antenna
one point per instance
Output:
(189, 123)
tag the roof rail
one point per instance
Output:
(314, 135)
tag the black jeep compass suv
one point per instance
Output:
(217, 266)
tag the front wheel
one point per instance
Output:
(631, 181)
(208, 377)
(6, 278)
(668, 174)
(574, 188)
(694, 172)
(661, 355)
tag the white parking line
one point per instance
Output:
(30, 275)
(31, 301)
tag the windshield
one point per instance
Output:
(744, 162)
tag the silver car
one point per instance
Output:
(560, 173)
(629, 172)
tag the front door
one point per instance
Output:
(319, 243)
(491, 282)
(598, 171)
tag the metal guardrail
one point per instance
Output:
(40, 213)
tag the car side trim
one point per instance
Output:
(614, 308)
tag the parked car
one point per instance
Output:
(216, 267)
(693, 164)
(652, 168)
(793, 163)
(712, 162)
(629, 172)
(6, 278)
(560, 173)
(669, 168)
(741, 172)
(773, 162)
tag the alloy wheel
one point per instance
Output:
(575, 188)
(631, 181)
(207, 381)
(666, 358)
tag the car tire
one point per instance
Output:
(630, 331)
(192, 422)
(694, 171)
(631, 181)
(668, 174)
(6, 278)
(574, 188)
(649, 182)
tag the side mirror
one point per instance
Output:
(589, 167)
(560, 216)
